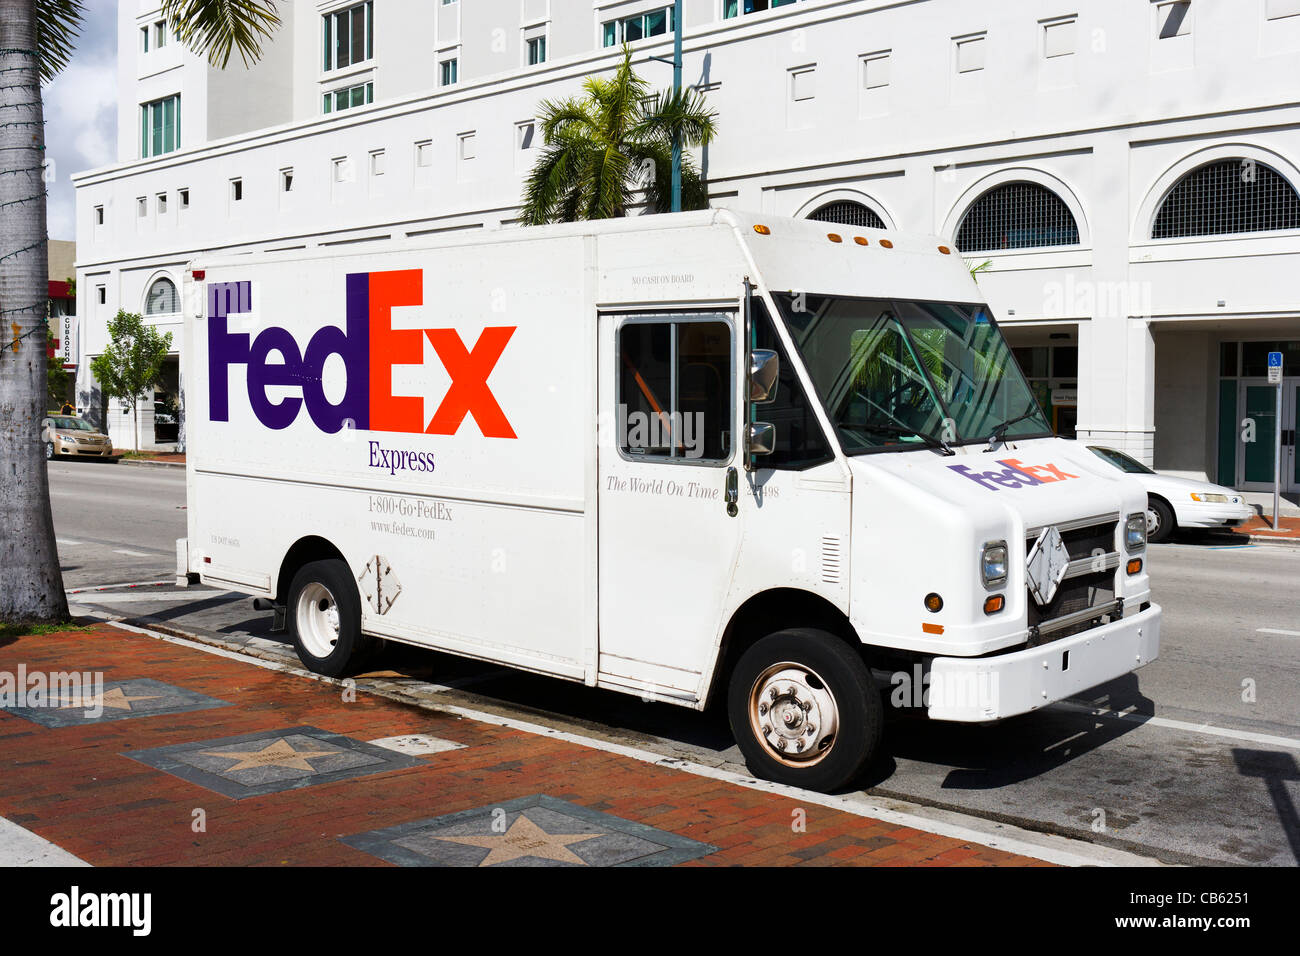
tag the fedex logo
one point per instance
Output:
(1015, 476)
(369, 347)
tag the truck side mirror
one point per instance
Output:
(764, 367)
(761, 438)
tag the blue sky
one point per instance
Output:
(81, 114)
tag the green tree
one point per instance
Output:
(56, 383)
(37, 39)
(132, 364)
(600, 148)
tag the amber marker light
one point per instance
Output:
(932, 628)
(1134, 565)
(860, 241)
(886, 243)
(763, 230)
(945, 250)
(993, 604)
(834, 237)
(933, 602)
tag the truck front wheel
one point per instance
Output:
(325, 618)
(804, 710)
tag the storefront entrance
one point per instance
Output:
(1257, 402)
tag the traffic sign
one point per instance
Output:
(1275, 368)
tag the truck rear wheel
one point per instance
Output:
(325, 618)
(804, 710)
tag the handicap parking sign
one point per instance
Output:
(1274, 368)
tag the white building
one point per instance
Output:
(1128, 168)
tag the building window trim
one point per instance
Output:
(1040, 177)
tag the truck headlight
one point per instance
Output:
(1135, 533)
(993, 564)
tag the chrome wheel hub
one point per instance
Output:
(317, 617)
(794, 713)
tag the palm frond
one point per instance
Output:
(218, 28)
(683, 112)
(58, 24)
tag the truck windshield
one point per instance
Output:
(896, 374)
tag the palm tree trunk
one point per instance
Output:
(31, 586)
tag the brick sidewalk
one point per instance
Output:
(279, 771)
(1261, 528)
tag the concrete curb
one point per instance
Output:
(151, 463)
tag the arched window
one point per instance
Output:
(846, 212)
(1226, 197)
(162, 298)
(1017, 215)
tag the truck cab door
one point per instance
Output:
(668, 393)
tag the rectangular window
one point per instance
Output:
(800, 441)
(183, 198)
(99, 215)
(448, 72)
(970, 54)
(378, 162)
(629, 29)
(1059, 38)
(348, 36)
(160, 34)
(236, 190)
(875, 70)
(141, 207)
(162, 203)
(536, 51)
(345, 99)
(424, 153)
(286, 180)
(1173, 20)
(734, 8)
(675, 389)
(342, 169)
(467, 145)
(144, 39)
(160, 126)
(524, 133)
(102, 294)
(803, 84)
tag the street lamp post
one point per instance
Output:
(677, 88)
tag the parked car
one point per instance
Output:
(1174, 503)
(73, 437)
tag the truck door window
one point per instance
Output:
(675, 388)
(800, 441)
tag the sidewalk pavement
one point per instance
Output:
(202, 759)
(1260, 528)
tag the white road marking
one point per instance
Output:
(1061, 850)
(130, 554)
(135, 598)
(1276, 630)
(67, 541)
(22, 847)
(1247, 736)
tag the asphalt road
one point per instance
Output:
(1193, 759)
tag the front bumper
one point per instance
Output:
(976, 690)
(75, 449)
(1213, 515)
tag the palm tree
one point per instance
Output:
(599, 149)
(37, 38)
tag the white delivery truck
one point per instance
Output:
(780, 463)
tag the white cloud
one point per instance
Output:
(81, 116)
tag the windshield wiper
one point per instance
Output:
(926, 439)
(1001, 429)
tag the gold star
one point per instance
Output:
(526, 838)
(278, 754)
(115, 698)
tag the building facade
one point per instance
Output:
(1123, 173)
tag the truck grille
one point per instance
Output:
(1089, 583)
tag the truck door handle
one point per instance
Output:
(733, 492)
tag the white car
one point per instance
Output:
(1174, 503)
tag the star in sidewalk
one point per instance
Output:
(526, 838)
(114, 699)
(277, 754)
